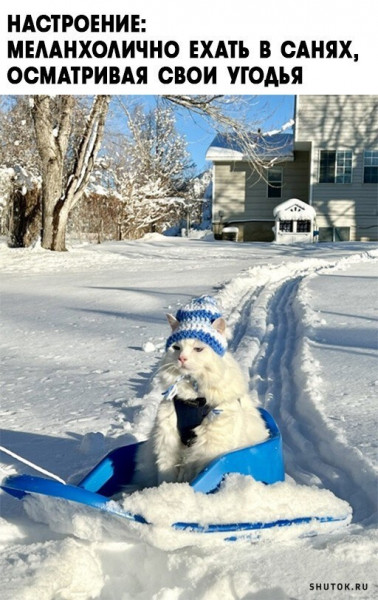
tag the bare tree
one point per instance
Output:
(17, 139)
(152, 173)
(227, 115)
(60, 190)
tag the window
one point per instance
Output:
(343, 167)
(289, 226)
(371, 166)
(286, 226)
(303, 226)
(334, 234)
(274, 183)
(327, 167)
(335, 166)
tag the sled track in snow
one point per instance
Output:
(313, 454)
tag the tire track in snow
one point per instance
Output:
(273, 352)
(313, 454)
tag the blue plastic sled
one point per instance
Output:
(264, 462)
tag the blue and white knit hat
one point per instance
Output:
(195, 321)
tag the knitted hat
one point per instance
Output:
(195, 321)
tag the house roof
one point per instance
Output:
(294, 209)
(276, 147)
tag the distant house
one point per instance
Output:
(330, 161)
(295, 222)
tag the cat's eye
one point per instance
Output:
(198, 349)
(176, 347)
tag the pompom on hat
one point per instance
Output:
(195, 320)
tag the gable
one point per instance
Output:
(294, 209)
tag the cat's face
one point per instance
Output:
(190, 356)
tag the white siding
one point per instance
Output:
(341, 123)
(240, 194)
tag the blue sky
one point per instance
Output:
(270, 112)
(266, 112)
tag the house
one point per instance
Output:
(330, 162)
(295, 222)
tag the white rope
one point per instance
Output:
(32, 465)
(170, 393)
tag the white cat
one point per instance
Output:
(176, 451)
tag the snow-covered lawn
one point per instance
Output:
(81, 335)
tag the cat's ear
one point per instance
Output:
(220, 325)
(172, 321)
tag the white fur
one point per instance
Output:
(218, 379)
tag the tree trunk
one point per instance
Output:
(52, 190)
(52, 137)
(60, 227)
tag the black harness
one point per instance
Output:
(190, 414)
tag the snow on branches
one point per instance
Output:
(151, 171)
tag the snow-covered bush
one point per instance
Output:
(5, 191)
(19, 173)
(20, 212)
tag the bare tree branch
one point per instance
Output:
(88, 150)
(237, 130)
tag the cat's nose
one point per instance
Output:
(182, 359)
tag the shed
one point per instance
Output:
(295, 221)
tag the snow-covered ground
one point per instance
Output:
(81, 335)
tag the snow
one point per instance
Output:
(294, 209)
(149, 347)
(239, 500)
(82, 332)
(272, 145)
(284, 127)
